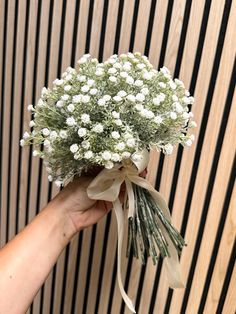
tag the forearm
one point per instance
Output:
(26, 260)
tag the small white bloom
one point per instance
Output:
(46, 143)
(77, 98)
(131, 98)
(58, 82)
(156, 101)
(85, 98)
(145, 91)
(60, 103)
(109, 165)
(30, 108)
(117, 65)
(26, 135)
(115, 114)
(143, 112)
(115, 134)
(70, 121)
(140, 66)
(88, 154)
(131, 142)
(36, 153)
(68, 77)
(85, 118)
(124, 74)
(81, 78)
(185, 115)
(74, 148)
(41, 103)
(63, 134)
(175, 98)
(65, 97)
(192, 137)
(186, 100)
(162, 85)
(139, 107)
(178, 107)
(22, 142)
(98, 128)
(188, 142)
(140, 97)
(85, 88)
(187, 93)
(113, 79)
(122, 93)
(82, 132)
(31, 123)
(117, 98)
(118, 122)
(45, 131)
(85, 144)
(106, 155)
(165, 70)
(127, 66)
(115, 157)
(99, 72)
(106, 97)
(67, 88)
(161, 97)
(173, 115)
(50, 178)
(58, 183)
(93, 91)
(147, 76)
(129, 80)
(158, 119)
(70, 107)
(190, 114)
(149, 114)
(168, 148)
(179, 82)
(112, 71)
(120, 146)
(101, 102)
(53, 135)
(172, 84)
(82, 60)
(90, 82)
(138, 83)
(192, 124)
(125, 155)
(49, 148)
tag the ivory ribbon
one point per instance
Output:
(106, 186)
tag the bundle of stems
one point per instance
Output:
(144, 233)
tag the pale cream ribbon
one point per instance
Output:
(106, 186)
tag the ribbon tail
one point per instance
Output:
(120, 225)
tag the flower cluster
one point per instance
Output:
(103, 113)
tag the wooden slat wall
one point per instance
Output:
(196, 40)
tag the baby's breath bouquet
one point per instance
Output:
(109, 116)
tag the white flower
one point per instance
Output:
(93, 91)
(117, 98)
(49, 148)
(139, 107)
(122, 93)
(115, 157)
(99, 72)
(40, 103)
(65, 97)
(168, 148)
(157, 119)
(106, 155)
(117, 65)
(172, 84)
(58, 183)
(115, 114)
(192, 137)
(173, 115)
(67, 88)
(118, 122)
(98, 128)
(70, 121)
(115, 135)
(46, 143)
(179, 82)
(120, 146)
(63, 134)
(192, 124)
(53, 135)
(90, 82)
(185, 115)
(147, 76)
(127, 66)
(145, 91)
(113, 79)
(70, 107)
(175, 98)
(22, 142)
(85, 144)
(85, 98)
(109, 165)
(36, 153)
(81, 78)
(178, 107)
(156, 101)
(74, 148)
(129, 80)
(77, 98)
(140, 66)
(165, 70)
(68, 77)
(106, 97)
(190, 114)
(82, 60)
(31, 123)
(125, 155)
(124, 74)
(188, 142)
(162, 85)
(149, 114)
(131, 98)
(186, 93)
(58, 82)
(88, 154)
(101, 102)
(130, 142)
(112, 71)
(60, 103)
(161, 97)
(26, 135)
(138, 83)
(85, 88)
(85, 118)
(30, 108)
(50, 178)
(140, 97)
(82, 132)
(186, 100)
(45, 131)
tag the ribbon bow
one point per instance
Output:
(106, 186)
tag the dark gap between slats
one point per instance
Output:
(11, 120)
(218, 238)
(113, 282)
(211, 89)
(197, 60)
(89, 26)
(134, 23)
(75, 32)
(118, 26)
(225, 287)
(103, 30)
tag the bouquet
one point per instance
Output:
(110, 115)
